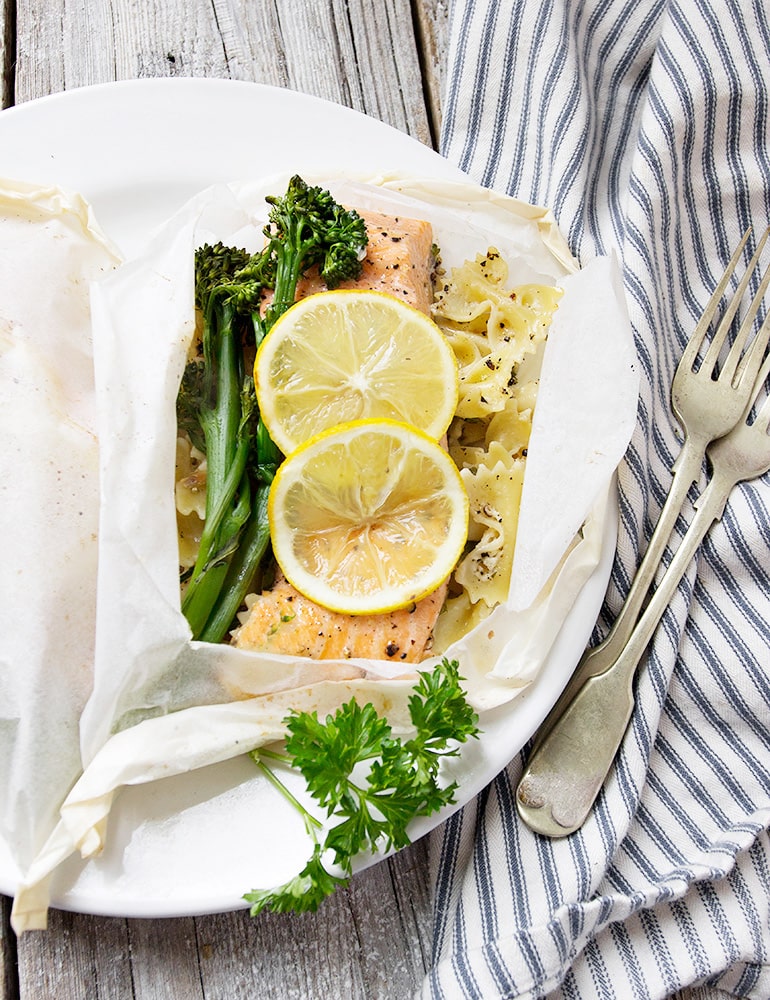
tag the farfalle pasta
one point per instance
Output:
(498, 334)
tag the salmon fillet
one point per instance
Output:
(281, 620)
(399, 261)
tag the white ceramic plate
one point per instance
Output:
(137, 151)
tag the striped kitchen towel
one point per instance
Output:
(643, 124)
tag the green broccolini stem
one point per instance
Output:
(208, 588)
(240, 572)
(213, 522)
(288, 270)
(220, 419)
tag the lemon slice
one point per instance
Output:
(353, 354)
(368, 517)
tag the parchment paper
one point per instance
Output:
(50, 251)
(162, 703)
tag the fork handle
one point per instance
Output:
(568, 767)
(595, 661)
(686, 469)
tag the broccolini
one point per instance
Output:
(217, 406)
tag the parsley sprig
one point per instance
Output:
(370, 783)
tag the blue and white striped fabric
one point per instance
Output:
(643, 124)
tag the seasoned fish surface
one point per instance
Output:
(281, 620)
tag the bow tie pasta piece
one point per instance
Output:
(190, 499)
(494, 494)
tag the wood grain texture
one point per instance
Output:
(8, 972)
(7, 51)
(352, 52)
(363, 943)
(432, 33)
(75, 955)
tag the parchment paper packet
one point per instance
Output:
(50, 251)
(156, 693)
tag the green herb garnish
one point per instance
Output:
(370, 783)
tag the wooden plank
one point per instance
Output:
(370, 941)
(398, 937)
(77, 957)
(62, 45)
(366, 942)
(432, 32)
(80, 957)
(381, 52)
(309, 955)
(410, 871)
(9, 983)
(164, 962)
(348, 51)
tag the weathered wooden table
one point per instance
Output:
(385, 59)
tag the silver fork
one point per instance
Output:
(576, 745)
(706, 408)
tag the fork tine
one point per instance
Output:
(749, 366)
(696, 340)
(745, 368)
(710, 360)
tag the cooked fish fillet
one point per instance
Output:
(399, 261)
(281, 620)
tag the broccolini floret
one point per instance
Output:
(307, 228)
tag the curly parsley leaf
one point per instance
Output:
(370, 783)
(327, 752)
